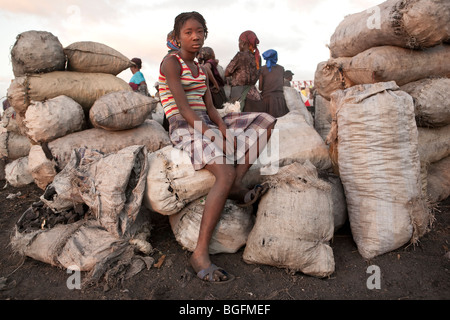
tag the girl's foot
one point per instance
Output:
(207, 271)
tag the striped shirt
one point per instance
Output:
(194, 87)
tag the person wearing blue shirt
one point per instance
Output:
(137, 81)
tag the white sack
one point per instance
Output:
(14, 145)
(379, 166)
(52, 119)
(229, 236)
(111, 185)
(438, 180)
(322, 116)
(121, 110)
(95, 57)
(17, 173)
(172, 182)
(294, 101)
(292, 140)
(41, 168)
(434, 144)
(431, 101)
(294, 223)
(9, 121)
(150, 133)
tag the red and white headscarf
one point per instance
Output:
(253, 41)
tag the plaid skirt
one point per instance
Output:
(246, 128)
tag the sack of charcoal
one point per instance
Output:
(294, 223)
(37, 52)
(379, 164)
(411, 24)
(95, 57)
(231, 232)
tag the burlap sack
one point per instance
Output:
(84, 88)
(380, 168)
(431, 101)
(9, 121)
(53, 118)
(231, 232)
(14, 145)
(42, 169)
(329, 77)
(434, 144)
(121, 110)
(37, 52)
(150, 133)
(17, 173)
(94, 57)
(412, 24)
(322, 116)
(293, 140)
(172, 182)
(389, 63)
(438, 180)
(294, 101)
(294, 223)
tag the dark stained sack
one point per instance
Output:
(37, 52)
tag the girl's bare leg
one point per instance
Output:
(239, 190)
(215, 202)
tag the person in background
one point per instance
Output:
(244, 71)
(220, 145)
(207, 59)
(288, 78)
(271, 81)
(6, 104)
(172, 43)
(137, 81)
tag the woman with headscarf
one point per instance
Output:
(271, 82)
(207, 58)
(244, 71)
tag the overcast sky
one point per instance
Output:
(298, 30)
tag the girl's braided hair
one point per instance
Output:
(181, 19)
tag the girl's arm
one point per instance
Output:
(210, 75)
(211, 109)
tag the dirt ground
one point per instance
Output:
(410, 273)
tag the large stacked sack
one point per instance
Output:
(86, 105)
(294, 223)
(410, 24)
(377, 142)
(231, 232)
(94, 57)
(398, 40)
(407, 42)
